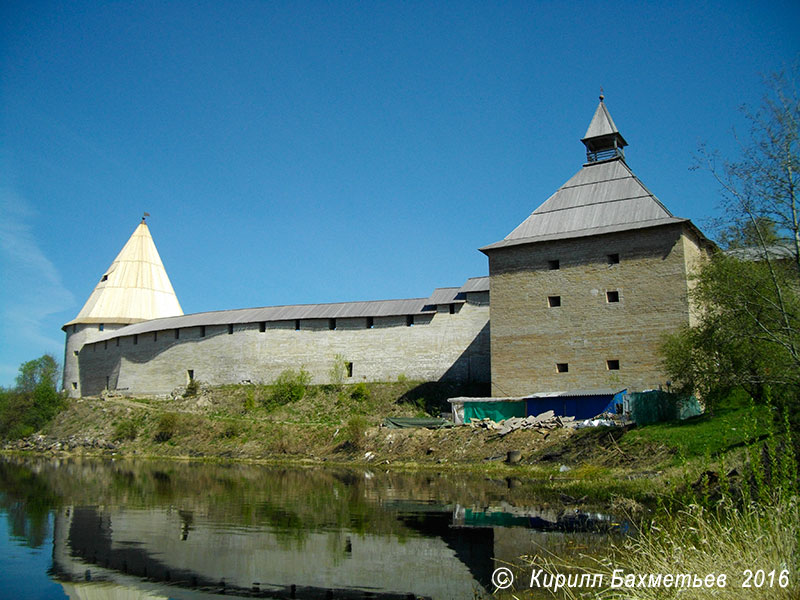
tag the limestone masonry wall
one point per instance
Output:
(437, 346)
(596, 318)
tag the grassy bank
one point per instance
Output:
(340, 424)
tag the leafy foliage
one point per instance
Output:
(290, 386)
(166, 427)
(33, 402)
(748, 330)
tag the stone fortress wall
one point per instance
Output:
(447, 342)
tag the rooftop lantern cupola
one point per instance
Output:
(603, 140)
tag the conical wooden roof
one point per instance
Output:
(134, 288)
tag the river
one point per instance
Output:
(128, 529)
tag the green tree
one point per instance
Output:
(34, 401)
(748, 329)
(42, 370)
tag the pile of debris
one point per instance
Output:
(544, 422)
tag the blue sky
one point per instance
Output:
(296, 152)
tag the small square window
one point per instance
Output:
(230, 328)
(190, 375)
(101, 327)
(262, 327)
(554, 265)
(562, 367)
(612, 296)
(553, 301)
(612, 365)
(75, 352)
(613, 259)
(104, 278)
(74, 385)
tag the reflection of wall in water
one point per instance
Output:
(160, 545)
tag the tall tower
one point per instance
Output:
(134, 288)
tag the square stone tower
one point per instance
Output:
(584, 290)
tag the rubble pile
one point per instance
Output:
(41, 443)
(544, 422)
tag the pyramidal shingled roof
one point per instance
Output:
(134, 288)
(603, 197)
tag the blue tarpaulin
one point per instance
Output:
(579, 404)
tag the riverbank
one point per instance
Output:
(341, 425)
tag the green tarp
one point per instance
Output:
(496, 411)
(406, 422)
(656, 407)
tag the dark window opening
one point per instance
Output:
(117, 342)
(230, 328)
(135, 339)
(262, 327)
(612, 365)
(613, 259)
(349, 369)
(104, 278)
(612, 296)
(202, 331)
(177, 334)
(370, 322)
(297, 324)
(190, 374)
(155, 336)
(74, 385)
(409, 320)
(101, 327)
(553, 301)
(331, 324)
(105, 345)
(75, 352)
(108, 380)
(562, 367)
(554, 265)
(452, 309)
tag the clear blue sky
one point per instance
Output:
(303, 152)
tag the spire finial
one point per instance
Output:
(144, 216)
(601, 94)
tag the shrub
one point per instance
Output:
(126, 430)
(290, 386)
(166, 427)
(356, 429)
(192, 388)
(360, 392)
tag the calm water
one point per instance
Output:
(93, 529)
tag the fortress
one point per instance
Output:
(582, 293)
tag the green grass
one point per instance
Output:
(734, 424)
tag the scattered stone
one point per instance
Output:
(542, 423)
(564, 469)
(513, 457)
